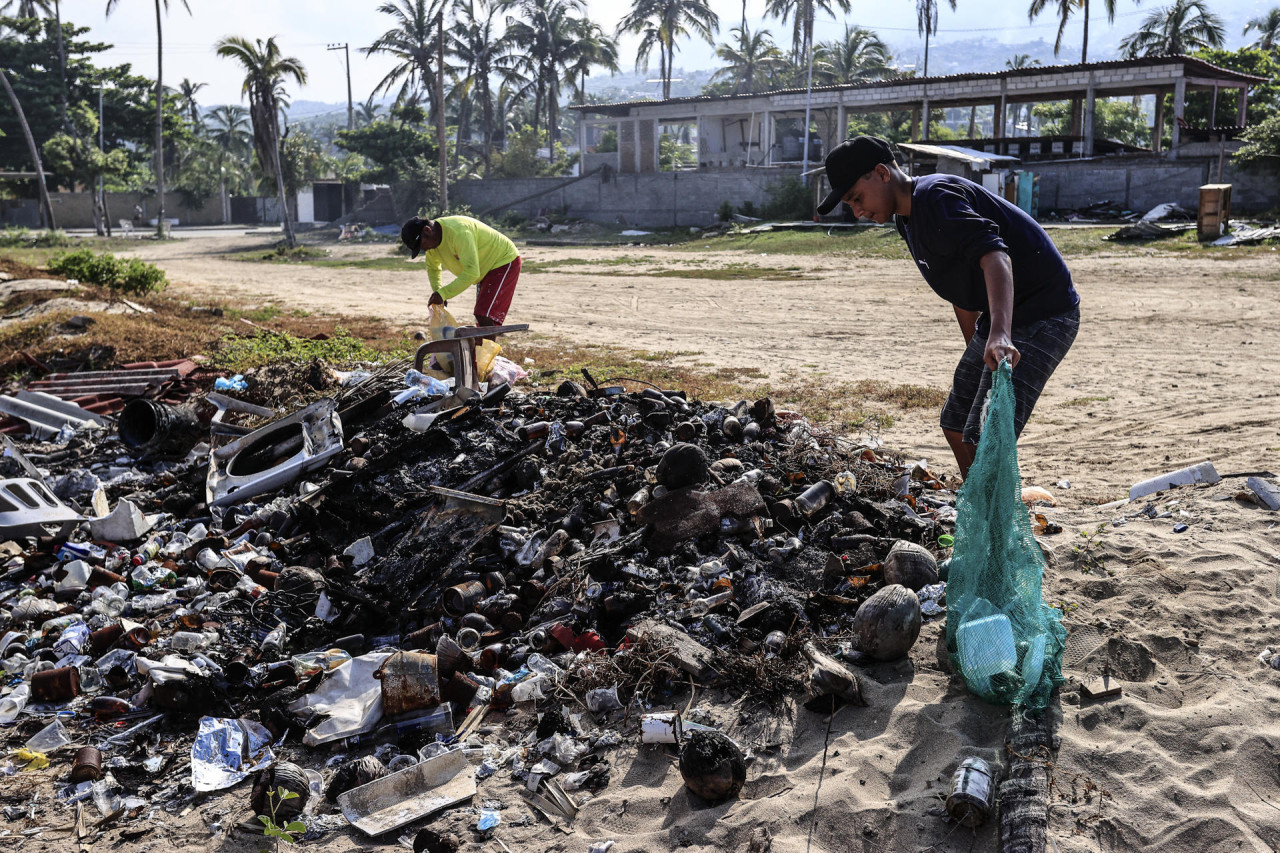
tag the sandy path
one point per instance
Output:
(1170, 366)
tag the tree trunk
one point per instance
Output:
(31, 146)
(553, 119)
(440, 128)
(973, 121)
(1084, 48)
(290, 238)
(159, 124)
(464, 122)
(487, 118)
(1024, 795)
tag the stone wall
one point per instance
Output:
(653, 200)
(1140, 183)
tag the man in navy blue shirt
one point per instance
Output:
(1011, 290)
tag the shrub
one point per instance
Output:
(725, 212)
(789, 199)
(130, 277)
(748, 208)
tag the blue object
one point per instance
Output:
(489, 819)
(235, 383)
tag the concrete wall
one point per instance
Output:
(653, 200)
(1140, 183)
(75, 210)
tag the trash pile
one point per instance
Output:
(371, 603)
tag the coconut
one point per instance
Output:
(283, 775)
(712, 766)
(887, 624)
(910, 565)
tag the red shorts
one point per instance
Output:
(494, 291)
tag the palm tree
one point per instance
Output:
(1185, 26)
(111, 7)
(417, 43)
(367, 113)
(1268, 27)
(28, 8)
(548, 34)
(927, 24)
(31, 147)
(187, 95)
(1065, 9)
(857, 56)
(594, 47)
(801, 13)
(265, 70)
(660, 23)
(753, 55)
(412, 43)
(229, 129)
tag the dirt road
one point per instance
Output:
(1175, 363)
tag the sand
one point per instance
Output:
(1176, 363)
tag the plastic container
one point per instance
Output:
(49, 738)
(1033, 660)
(972, 792)
(11, 706)
(187, 641)
(986, 646)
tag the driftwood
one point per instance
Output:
(1024, 795)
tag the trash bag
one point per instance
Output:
(1002, 638)
(440, 325)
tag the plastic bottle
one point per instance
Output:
(429, 384)
(307, 665)
(72, 640)
(11, 706)
(700, 606)
(148, 551)
(815, 497)
(116, 558)
(274, 642)
(187, 641)
(109, 707)
(153, 603)
(249, 587)
(108, 601)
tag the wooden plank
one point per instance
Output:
(687, 653)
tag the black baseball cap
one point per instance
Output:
(411, 234)
(848, 162)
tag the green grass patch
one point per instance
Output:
(1084, 401)
(239, 353)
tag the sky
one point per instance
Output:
(305, 28)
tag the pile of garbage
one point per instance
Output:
(356, 585)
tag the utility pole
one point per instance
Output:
(351, 108)
(808, 93)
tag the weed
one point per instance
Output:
(21, 238)
(290, 832)
(238, 353)
(1086, 552)
(130, 276)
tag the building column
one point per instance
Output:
(1243, 114)
(924, 110)
(1179, 107)
(842, 125)
(1157, 135)
(1213, 107)
(915, 123)
(582, 143)
(636, 151)
(766, 138)
(1089, 104)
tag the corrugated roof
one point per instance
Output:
(1206, 69)
(957, 152)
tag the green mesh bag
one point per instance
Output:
(1001, 636)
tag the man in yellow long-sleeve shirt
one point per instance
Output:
(475, 254)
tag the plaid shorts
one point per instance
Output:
(1042, 345)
